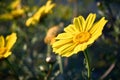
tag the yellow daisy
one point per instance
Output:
(79, 35)
(15, 4)
(6, 45)
(45, 9)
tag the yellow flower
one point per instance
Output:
(45, 9)
(17, 12)
(79, 35)
(13, 14)
(6, 16)
(15, 4)
(6, 45)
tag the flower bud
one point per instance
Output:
(51, 59)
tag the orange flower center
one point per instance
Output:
(81, 37)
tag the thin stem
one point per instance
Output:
(49, 72)
(48, 50)
(11, 66)
(60, 64)
(87, 64)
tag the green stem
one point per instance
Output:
(11, 66)
(87, 64)
(48, 50)
(60, 64)
(49, 72)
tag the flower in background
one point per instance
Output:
(79, 35)
(15, 11)
(45, 9)
(13, 14)
(6, 44)
(51, 34)
(15, 4)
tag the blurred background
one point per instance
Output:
(32, 56)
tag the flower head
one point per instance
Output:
(45, 9)
(78, 36)
(15, 4)
(6, 45)
(15, 11)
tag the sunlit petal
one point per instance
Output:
(89, 21)
(67, 54)
(70, 29)
(10, 40)
(7, 54)
(79, 23)
(61, 42)
(61, 49)
(64, 36)
(80, 47)
(2, 41)
(98, 26)
(6, 45)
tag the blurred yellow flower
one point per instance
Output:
(6, 16)
(79, 35)
(15, 4)
(17, 12)
(45, 9)
(6, 44)
(13, 14)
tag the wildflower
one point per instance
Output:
(45, 9)
(6, 16)
(15, 4)
(13, 14)
(6, 44)
(51, 34)
(78, 36)
(15, 11)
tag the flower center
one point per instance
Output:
(81, 37)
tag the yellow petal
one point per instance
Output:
(67, 54)
(79, 23)
(61, 42)
(49, 6)
(70, 29)
(15, 4)
(2, 41)
(7, 54)
(82, 23)
(80, 47)
(98, 26)
(68, 51)
(17, 12)
(64, 36)
(89, 21)
(10, 40)
(29, 21)
(96, 31)
(48, 3)
(62, 48)
(39, 13)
